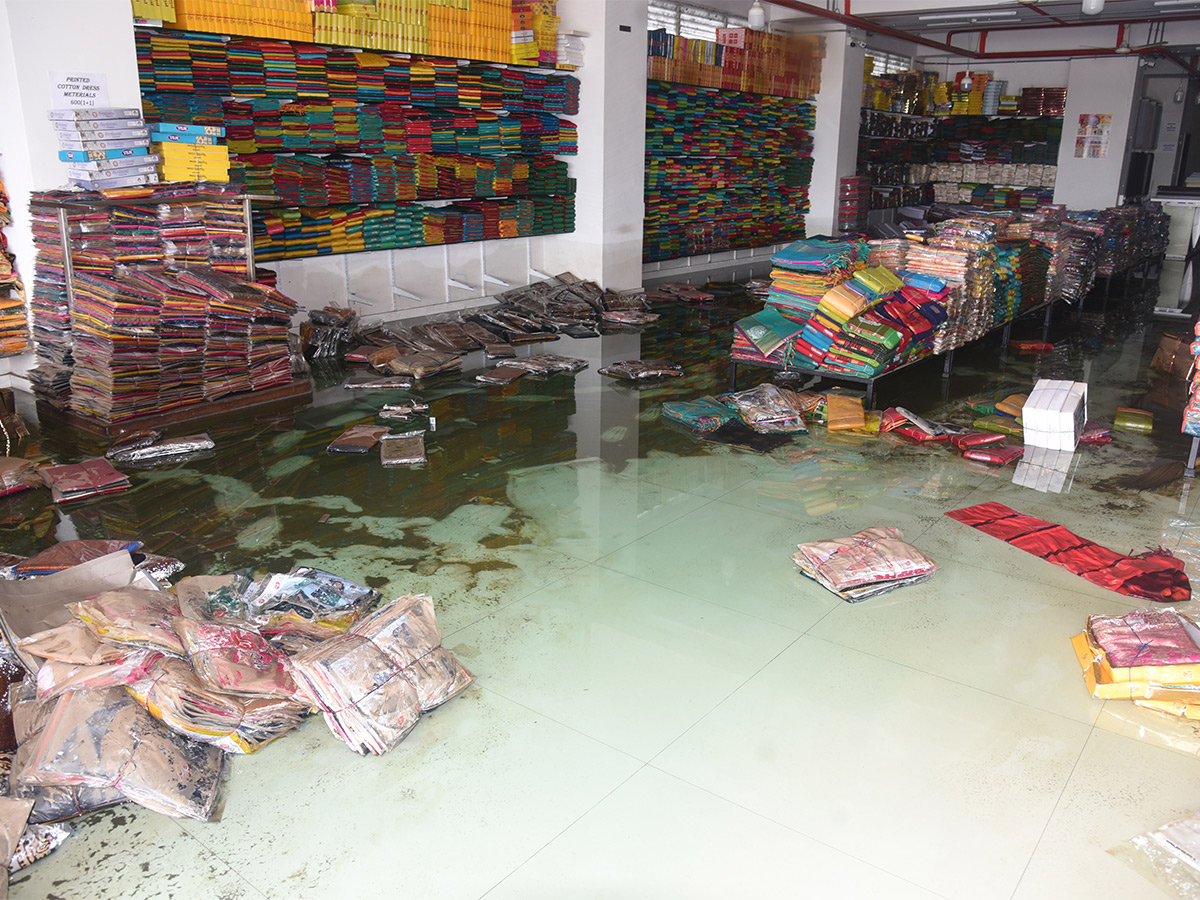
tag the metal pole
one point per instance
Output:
(248, 221)
(64, 237)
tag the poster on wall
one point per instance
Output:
(1091, 138)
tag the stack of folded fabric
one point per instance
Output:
(862, 348)
(890, 252)
(838, 306)
(1149, 656)
(765, 338)
(963, 255)
(806, 270)
(873, 561)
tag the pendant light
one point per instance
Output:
(756, 18)
(1092, 7)
(1179, 94)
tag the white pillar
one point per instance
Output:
(606, 246)
(835, 143)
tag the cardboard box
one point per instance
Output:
(1054, 414)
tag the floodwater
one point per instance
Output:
(664, 706)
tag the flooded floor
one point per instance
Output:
(665, 707)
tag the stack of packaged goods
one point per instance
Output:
(1074, 250)
(1191, 415)
(105, 147)
(962, 253)
(992, 92)
(1020, 279)
(854, 204)
(190, 152)
(889, 252)
(806, 270)
(14, 326)
(1037, 101)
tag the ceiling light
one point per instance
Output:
(756, 18)
(1092, 7)
(967, 82)
(1175, 2)
(974, 15)
(1179, 94)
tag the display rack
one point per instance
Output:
(869, 381)
(368, 150)
(271, 397)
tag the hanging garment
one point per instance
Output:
(1155, 575)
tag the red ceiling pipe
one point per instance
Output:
(1040, 11)
(866, 25)
(1119, 22)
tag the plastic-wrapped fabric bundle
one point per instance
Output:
(1168, 857)
(208, 598)
(372, 684)
(173, 694)
(424, 363)
(407, 449)
(234, 659)
(871, 562)
(702, 415)
(768, 409)
(642, 369)
(132, 617)
(51, 803)
(55, 678)
(168, 450)
(548, 364)
(312, 594)
(1145, 637)
(38, 842)
(357, 439)
(104, 738)
(18, 475)
(66, 554)
(72, 642)
(14, 816)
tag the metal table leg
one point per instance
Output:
(733, 375)
(1046, 323)
(1190, 470)
(948, 367)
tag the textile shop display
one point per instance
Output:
(702, 415)
(768, 409)
(1155, 575)
(724, 170)
(14, 326)
(871, 562)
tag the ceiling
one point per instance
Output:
(1010, 24)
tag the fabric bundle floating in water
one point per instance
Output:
(1155, 575)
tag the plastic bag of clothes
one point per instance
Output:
(173, 694)
(406, 449)
(104, 738)
(1168, 857)
(357, 439)
(873, 561)
(373, 683)
(18, 474)
(132, 617)
(234, 659)
(66, 554)
(311, 595)
(642, 369)
(208, 598)
(14, 816)
(51, 803)
(169, 450)
(768, 409)
(548, 364)
(72, 642)
(55, 677)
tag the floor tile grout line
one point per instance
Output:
(254, 887)
(723, 700)
(563, 831)
(949, 680)
(766, 818)
(1050, 817)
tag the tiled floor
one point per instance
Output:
(665, 708)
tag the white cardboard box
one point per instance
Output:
(1054, 414)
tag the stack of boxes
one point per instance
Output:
(105, 148)
(535, 32)
(191, 152)
(290, 20)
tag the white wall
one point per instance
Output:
(37, 36)
(1161, 87)
(1105, 86)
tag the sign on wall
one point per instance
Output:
(78, 90)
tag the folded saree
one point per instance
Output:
(873, 561)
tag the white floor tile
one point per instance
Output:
(656, 837)
(939, 784)
(626, 662)
(1120, 788)
(476, 789)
